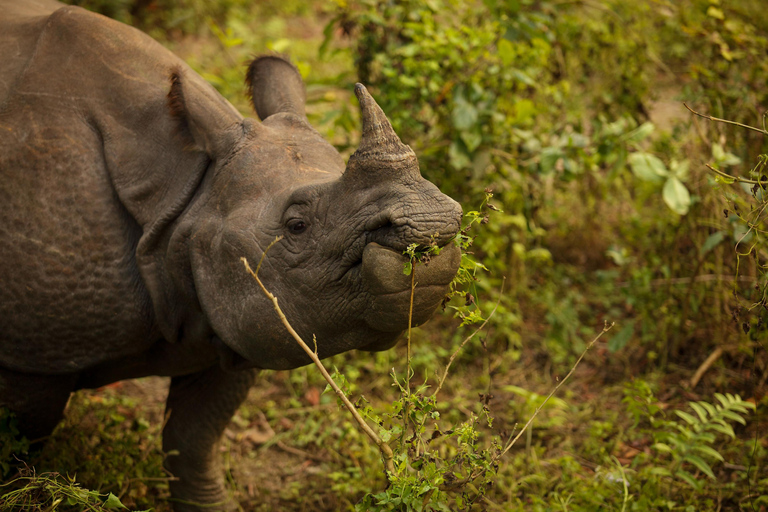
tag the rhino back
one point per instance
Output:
(20, 26)
(90, 170)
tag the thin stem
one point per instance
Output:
(384, 448)
(410, 321)
(456, 353)
(473, 476)
(624, 482)
(734, 178)
(407, 390)
(606, 328)
(726, 121)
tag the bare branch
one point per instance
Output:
(734, 178)
(726, 121)
(606, 328)
(386, 451)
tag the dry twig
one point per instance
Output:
(714, 356)
(606, 328)
(386, 451)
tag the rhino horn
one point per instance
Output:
(381, 154)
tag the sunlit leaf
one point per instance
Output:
(707, 450)
(464, 115)
(687, 417)
(688, 478)
(639, 133)
(505, 52)
(647, 167)
(676, 196)
(699, 411)
(113, 503)
(701, 464)
(715, 12)
(733, 416)
(723, 428)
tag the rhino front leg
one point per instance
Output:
(200, 407)
(37, 400)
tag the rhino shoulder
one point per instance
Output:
(71, 55)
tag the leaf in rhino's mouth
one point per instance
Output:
(382, 270)
(390, 288)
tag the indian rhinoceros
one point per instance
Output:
(129, 192)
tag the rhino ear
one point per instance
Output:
(203, 116)
(275, 86)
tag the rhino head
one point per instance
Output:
(338, 269)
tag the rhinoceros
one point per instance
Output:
(130, 189)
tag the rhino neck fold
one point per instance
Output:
(162, 259)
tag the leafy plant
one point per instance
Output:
(463, 284)
(51, 491)
(11, 443)
(689, 441)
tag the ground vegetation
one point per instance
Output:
(593, 197)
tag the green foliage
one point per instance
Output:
(161, 16)
(432, 465)
(51, 491)
(111, 448)
(748, 216)
(688, 441)
(607, 213)
(11, 443)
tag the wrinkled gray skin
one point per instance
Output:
(130, 190)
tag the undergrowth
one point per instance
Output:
(608, 212)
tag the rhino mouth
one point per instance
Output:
(390, 289)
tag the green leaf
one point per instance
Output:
(707, 450)
(505, 51)
(639, 133)
(464, 115)
(723, 158)
(687, 417)
(647, 167)
(679, 169)
(688, 478)
(620, 340)
(701, 464)
(714, 12)
(709, 407)
(524, 77)
(472, 139)
(724, 180)
(699, 410)
(733, 416)
(676, 196)
(548, 159)
(458, 156)
(113, 503)
(711, 242)
(660, 471)
(723, 428)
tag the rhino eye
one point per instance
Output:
(297, 226)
